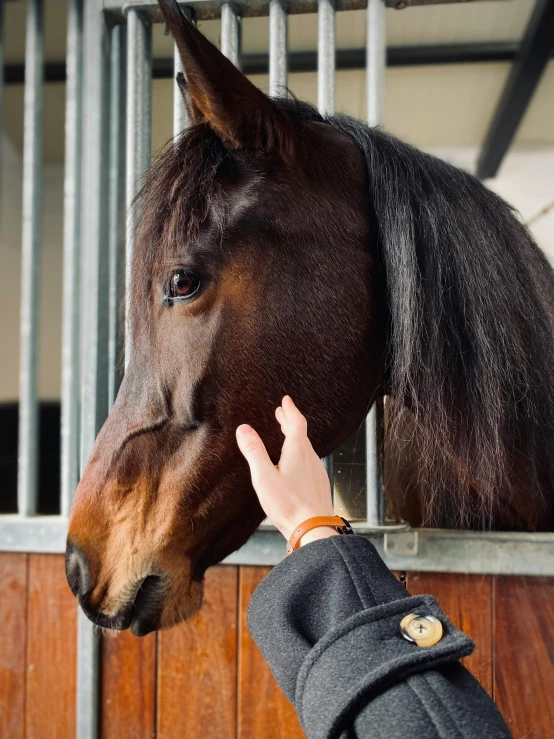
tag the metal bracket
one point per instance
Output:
(401, 544)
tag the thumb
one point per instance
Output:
(254, 451)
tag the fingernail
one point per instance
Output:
(244, 429)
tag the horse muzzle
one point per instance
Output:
(142, 604)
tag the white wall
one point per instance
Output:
(526, 180)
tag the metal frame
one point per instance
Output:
(433, 550)
(109, 71)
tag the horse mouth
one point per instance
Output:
(142, 614)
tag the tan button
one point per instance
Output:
(422, 630)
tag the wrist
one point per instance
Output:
(288, 529)
(322, 532)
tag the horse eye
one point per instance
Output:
(184, 284)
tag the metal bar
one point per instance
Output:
(38, 534)
(95, 333)
(375, 494)
(534, 53)
(439, 550)
(210, 9)
(116, 244)
(30, 262)
(70, 420)
(306, 61)
(376, 55)
(181, 118)
(278, 45)
(231, 33)
(376, 61)
(139, 123)
(326, 105)
(88, 678)
(326, 57)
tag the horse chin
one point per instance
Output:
(178, 607)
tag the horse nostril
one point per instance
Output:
(148, 605)
(77, 571)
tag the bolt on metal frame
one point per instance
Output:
(108, 142)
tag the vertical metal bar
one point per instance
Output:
(278, 44)
(70, 430)
(376, 53)
(181, 119)
(94, 345)
(326, 57)
(88, 677)
(375, 494)
(30, 261)
(376, 64)
(231, 33)
(326, 103)
(116, 244)
(139, 123)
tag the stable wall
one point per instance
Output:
(205, 679)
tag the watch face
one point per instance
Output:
(347, 528)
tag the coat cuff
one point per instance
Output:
(330, 686)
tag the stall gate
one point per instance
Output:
(59, 677)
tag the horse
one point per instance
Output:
(279, 251)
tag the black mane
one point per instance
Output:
(470, 331)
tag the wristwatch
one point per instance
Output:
(338, 523)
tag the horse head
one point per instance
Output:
(252, 257)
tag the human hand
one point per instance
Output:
(298, 487)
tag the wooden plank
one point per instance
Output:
(13, 604)
(197, 666)
(467, 601)
(264, 712)
(51, 650)
(128, 686)
(524, 654)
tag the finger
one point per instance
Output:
(281, 418)
(296, 424)
(254, 451)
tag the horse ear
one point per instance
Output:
(217, 93)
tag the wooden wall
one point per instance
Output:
(206, 679)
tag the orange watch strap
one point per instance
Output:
(335, 522)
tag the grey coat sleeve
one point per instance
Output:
(327, 618)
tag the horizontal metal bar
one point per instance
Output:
(209, 9)
(39, 534)
(306, 61)
(439, 550)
